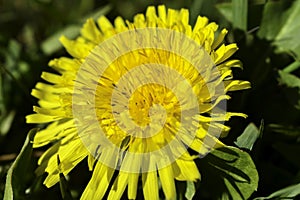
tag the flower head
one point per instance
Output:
(139, 99)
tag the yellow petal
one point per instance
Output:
(40, 118)
(91, 161)
(139, 21)
(54, 131)
(151, 16)
(204, 146)
(224, 52)
(51, 78)
(209, 106)
(167, 181)
(104, 24)
(200, 23)
(65, 64)
(227, 65)
(120, 25)
(213, 26)
(236, 85)
(44, 95)
(70, 155)
(184, 16)
(186, 170)
(48, 104)
(171, 17)
(219, 117)
(162, 13)
(118, 187)
(77, 49)
(51, 112)
(47, 88)
(150, 186)
(91, 32)
(99, 182)
(132, 185)
(220, 38)
(132, 161)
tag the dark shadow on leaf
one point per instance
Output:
(223, 169)
(220, 165)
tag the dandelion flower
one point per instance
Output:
(139, 100)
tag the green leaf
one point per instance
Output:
(290, 192)
(292, 67)
(12, 56)
(258, 2)
(52, 44)
(289, 79)
(190, 190)
(290, 131)
(235, 12)
(226, 10)
(284, 31)
(2, 104)
(203, 8)
(292, 82)
(248, 137)
(15, 173)
(97, 13)
(231, 172)
(85, 6)
(14, 48)
(6, 122)
(196, 8)
(269, 27)
(240, 14)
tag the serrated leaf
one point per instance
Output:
(290, 192)
(284, 31)
(15, 173)
(234, 173)
(248, 137)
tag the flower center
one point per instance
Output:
(152, 104)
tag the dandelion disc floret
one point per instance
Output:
(134, 100)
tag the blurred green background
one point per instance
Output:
(267, 33)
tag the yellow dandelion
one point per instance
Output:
(140, 100)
